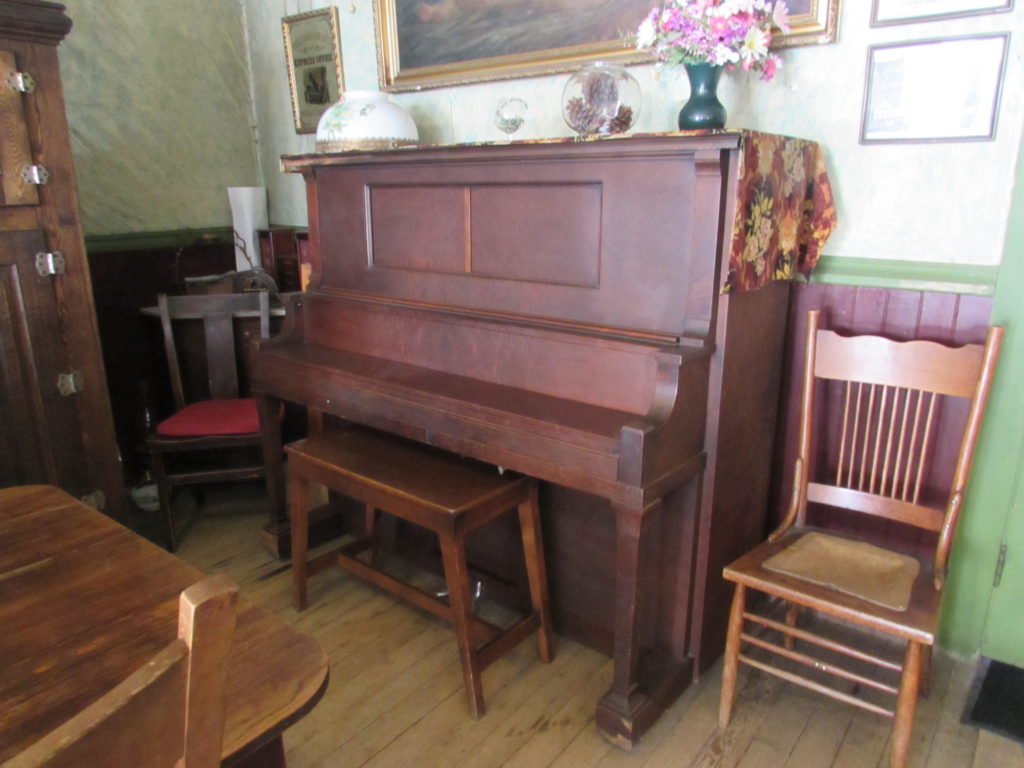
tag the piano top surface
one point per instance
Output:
(692, 139)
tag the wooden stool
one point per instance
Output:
(435, 490)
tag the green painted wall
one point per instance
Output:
(160, 111)
(976, 616)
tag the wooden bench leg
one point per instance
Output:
(536, 572)
(298, 498)
(456, 573)
(370, 527)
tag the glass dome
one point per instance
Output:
(601, 99)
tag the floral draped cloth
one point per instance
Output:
(784, 211)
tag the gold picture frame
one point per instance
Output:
(435, 43)
(312, 50)
(811, 22)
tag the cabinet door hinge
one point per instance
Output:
(69, 383)
(21, 82)
(50, 263)
(35, 174)
(1000, 563)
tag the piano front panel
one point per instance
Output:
(616, 242)
(572, 366)
(490, 231)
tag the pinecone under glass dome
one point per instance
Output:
(601, 99)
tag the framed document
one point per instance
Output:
(886, 12)
(313, 54)
(934, 90)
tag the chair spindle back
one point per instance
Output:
(890, 398)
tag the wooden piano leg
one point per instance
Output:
(277, 532)
(641, 689)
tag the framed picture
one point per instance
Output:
(431, 43)
(934, 90)
(886, 12)
(811, 22)
(313, 54)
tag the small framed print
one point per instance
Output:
(313, 54)
(934, 90)
(886, 12)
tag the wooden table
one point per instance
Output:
(84, 602)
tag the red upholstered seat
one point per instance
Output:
(236, 416)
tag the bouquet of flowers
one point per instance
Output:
(718, 32)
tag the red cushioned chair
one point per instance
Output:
(209, 438)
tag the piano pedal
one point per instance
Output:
(476, 585)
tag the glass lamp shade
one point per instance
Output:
(365, 120)
(601, 99)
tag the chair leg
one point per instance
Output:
(906, 704)
(163, 489)
(456, 573)
(298, 497)
(925, 687)
(536, 571)
(730, 667)
(792, 614)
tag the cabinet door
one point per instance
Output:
(40, 441)
(15, 152)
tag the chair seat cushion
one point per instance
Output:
(237, 416)
(854, 567)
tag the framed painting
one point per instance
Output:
(313, 54)
(432, 43)
(934, 90)
(811, 22)
(886, 12)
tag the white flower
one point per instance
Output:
(646, 34)
(755, 45)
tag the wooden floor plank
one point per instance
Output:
(824, 733)
(997, 751)
(552, 737)
(396, 697)
(724, 749)
(953, 743)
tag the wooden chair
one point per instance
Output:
(169, 712)
(878, 405)
(222, 426)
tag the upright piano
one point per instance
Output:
(605, 315)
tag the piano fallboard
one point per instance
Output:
(541, 431)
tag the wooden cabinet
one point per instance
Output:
(54, 408)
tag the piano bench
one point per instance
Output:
(438, 491)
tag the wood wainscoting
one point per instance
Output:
(948, 318)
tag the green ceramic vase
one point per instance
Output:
(703, 110)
